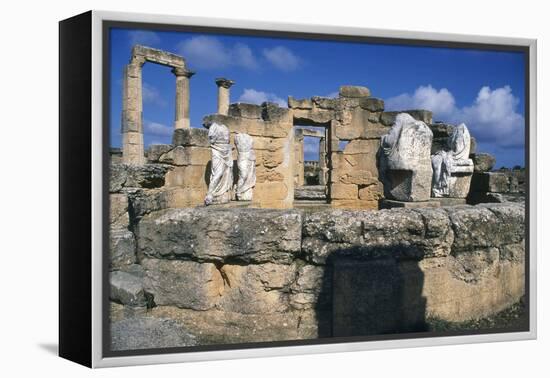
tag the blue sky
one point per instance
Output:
(484, 89)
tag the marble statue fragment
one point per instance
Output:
(221, 175)
(405, 163)
(452, 167)
(246, 162)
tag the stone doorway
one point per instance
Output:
(311, 173)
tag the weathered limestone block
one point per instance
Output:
(252, 126)
(326, 103)
(190, 176)
(190, 137)
(149, 333)
(143, 202)
(131, 176)
(181, 156)
(483, 162)
(494, 182)
(344, 191)
(243, 110)
(311, 288)
(185, 284)
(397, 233)
(155, 151)
(127, 288)
(266, 192)
(310, 192)
(472, 266)
(371, 192)
(246, 163)
(354, 91)
(256, 289)
(272, 112)
(118, 206)
(405, 164)
(489, 225)
(224, 327)
(122, 248)
(372, 104)
(358, 177)
(209, 234)
(269, 175)
(158, 56)
(452, 168)
(316, 116)
(343, 164)
(221, 176)
(294, 103)
(500, 284)
(362, 147)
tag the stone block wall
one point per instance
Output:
(189, 157)
(271, 129)
(359, 121)
(242, 275)
(498, 186)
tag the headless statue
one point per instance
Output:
(246, 163)
(221, 176)
(446, 162)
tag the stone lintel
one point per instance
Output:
(313, 133)
(158, 56)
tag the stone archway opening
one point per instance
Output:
(311, 162)
(132, 99)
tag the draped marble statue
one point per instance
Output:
(246, 162)
(452, 167)
(405, 165)
(221, 176)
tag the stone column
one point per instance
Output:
(298, 157)
(131, 126)
(182, 98)
(223, 94)
(322, 161)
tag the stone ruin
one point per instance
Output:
(231, 272)
(368, 158)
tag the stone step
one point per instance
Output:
(310, 192)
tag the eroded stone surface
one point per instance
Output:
(148, 333)
(247, 235)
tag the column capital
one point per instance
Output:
(138, 59)
(182, 72)
(223, 82)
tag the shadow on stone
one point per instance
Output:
(371, 297)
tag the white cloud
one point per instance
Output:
(282, 58)
(253, 96)
(441, 102)
(143, 37)
(207, 52)
(150, 94)
(157, 129)
(492, 117)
